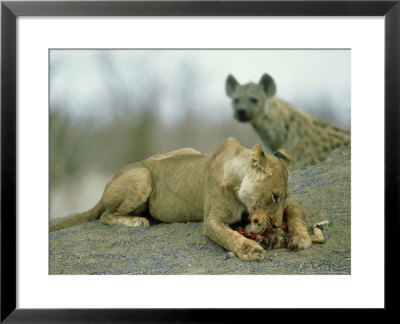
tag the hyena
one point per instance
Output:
(281, 125)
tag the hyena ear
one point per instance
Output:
(230, 85)
(259, 161)
(268, 85)
(285, 157)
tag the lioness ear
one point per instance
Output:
(285, 157)
(230, 85)
(258, 160)
(268, 85)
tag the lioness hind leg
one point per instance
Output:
(115, 219)
(127, 195)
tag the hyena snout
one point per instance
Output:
(242, 115)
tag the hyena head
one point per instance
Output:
(249, 99)
(264, 188)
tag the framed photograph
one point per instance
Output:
(309, 92)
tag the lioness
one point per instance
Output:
(279, 124)
(217, 188)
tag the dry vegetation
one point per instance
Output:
(76, 147)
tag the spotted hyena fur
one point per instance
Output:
(281, 125)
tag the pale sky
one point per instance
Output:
(81, 83)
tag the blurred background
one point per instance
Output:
(109, 108)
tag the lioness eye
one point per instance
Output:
(275, 197)
(236, 100)
(254, 100)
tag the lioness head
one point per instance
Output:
(249, 98)
(264, 188)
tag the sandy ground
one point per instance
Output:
(322, 190)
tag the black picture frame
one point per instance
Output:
(10, 10)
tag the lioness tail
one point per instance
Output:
(87, 216)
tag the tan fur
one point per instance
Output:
(279, 124)
(217, 188)
(296, 221)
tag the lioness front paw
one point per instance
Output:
(251, 251)
(298, 242)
